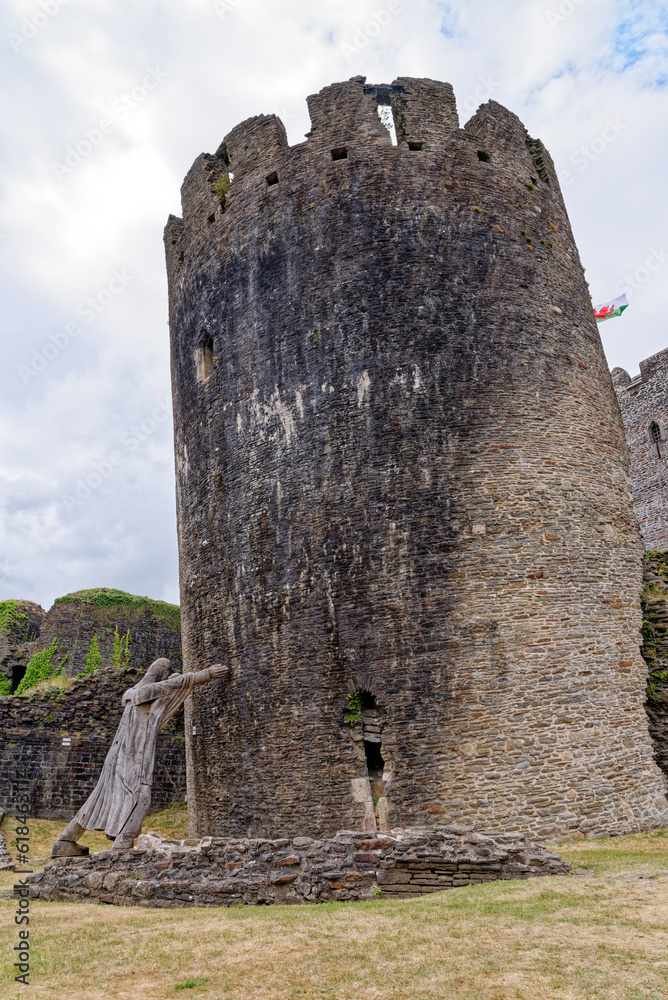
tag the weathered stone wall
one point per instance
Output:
(655, 651)
(221, 872)
(73, 622)
(643, 401)
(32, 731)
(24, 620)
(401, 469)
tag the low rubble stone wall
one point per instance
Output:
(351, 866)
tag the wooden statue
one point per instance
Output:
(122, 796)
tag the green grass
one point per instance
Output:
(599, 937)
(617, 854)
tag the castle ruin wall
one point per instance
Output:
(401, 477)
(643, 401)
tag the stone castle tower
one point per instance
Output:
(643, 401)
(403, 503)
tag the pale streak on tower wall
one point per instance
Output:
(644, 405)
(406, 474)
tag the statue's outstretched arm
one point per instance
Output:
(212, 673)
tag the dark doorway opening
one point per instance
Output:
(18, 673)
(374, 759)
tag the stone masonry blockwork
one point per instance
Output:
(401, 470)
(643, 401)
(219, 872)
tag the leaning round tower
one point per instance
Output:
(403, 504)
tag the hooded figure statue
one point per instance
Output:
(120, 800)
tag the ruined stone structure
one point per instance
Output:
(152, 629)
(59, 745)
(75, 619)
(643, 401)
(219, 872)
(20, 626)
(403, 504)
(59, 740)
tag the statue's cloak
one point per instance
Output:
(129, 763)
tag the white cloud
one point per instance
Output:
(63, 238)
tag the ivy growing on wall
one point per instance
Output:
(120, 658)
(11, 617)
(40, 668)
(93, 658)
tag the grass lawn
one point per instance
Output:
(603, 935)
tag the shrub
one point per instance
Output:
(93, 658)
(354, 713)
(40, 668)
(120, 657)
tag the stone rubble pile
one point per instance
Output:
(217, 871)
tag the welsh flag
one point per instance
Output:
(610, 309)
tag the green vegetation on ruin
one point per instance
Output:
(11, 617)
(93, 658)
(120, 658)
(354, 713)
(40, 668)
(653, 628)
(108, 597)
(221, 187)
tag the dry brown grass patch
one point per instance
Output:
(603, 936)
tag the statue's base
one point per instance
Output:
(218, 871)
(68, 849)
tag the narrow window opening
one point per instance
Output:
(212, 218)
(415, 147)
(204, 360)
(534, 180)
(387, 117)
(374, 759)
(340, 154)
(483, 156)
(272, 179)
(371, 733)
(655, 432)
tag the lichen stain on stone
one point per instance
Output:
(363, 386)
(263, 417)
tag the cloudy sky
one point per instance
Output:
(106, 105)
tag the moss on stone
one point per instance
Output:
(108, 597)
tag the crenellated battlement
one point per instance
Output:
(345, 125)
